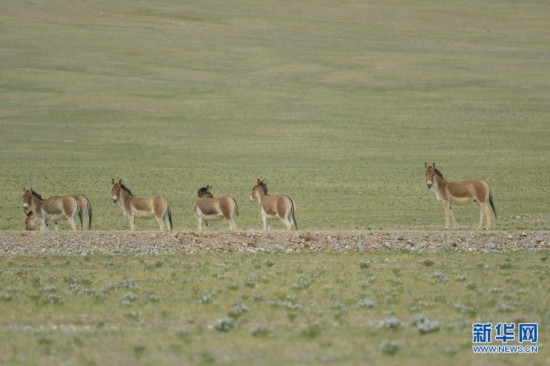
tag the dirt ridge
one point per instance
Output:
(14, 243)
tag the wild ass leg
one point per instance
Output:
(290, 225)
(161, 223)
(81, 217)
(84, 213)
(132, 220)
(446, 208)
(72, 222)
(232, 225)
(199, 219)
(452, 215)
(485, 209)
(264, 221)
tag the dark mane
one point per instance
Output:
(438, 173)
(264, 186)
(203, 191)
(126, 189)
(36, 194)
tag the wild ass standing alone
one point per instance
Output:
(271, 207)
(210, 208)
(145, 207)
(54, 208)
(460, 193)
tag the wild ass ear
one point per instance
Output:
(425, 164)
(120, 181)
(433, 165)
(112, 180)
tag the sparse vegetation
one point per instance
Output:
(337, 104)
(114, 309)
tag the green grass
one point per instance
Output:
(336, 104)
(282, 309)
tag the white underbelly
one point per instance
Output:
(57, 217)
(214, 217)
(144, 215)
(461, 200)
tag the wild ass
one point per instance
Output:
(210, 208)
(271, 207)
(84, 213)
(54, 208)
(460, 193)
(144, 207)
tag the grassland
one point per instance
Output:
(336, 104)
(380, 307)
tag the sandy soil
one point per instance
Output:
(142, 242)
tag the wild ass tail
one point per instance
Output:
(89, 214)
(236, 207)
(170, 218)
(80, 215)
(492, 204)
(293, 216)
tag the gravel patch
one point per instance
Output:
(36, 243)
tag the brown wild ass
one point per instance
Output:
(144, 207)
(210, 208)
(55, 208)
(30, 221)
(85, 210)
(271, 207)
(460, 193)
